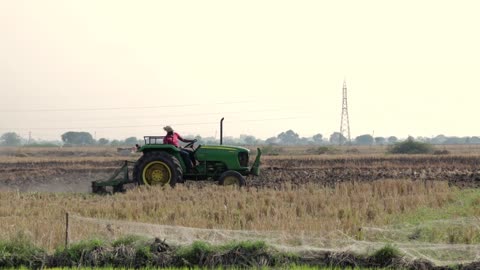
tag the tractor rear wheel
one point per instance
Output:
(229, 178)
(157, 168)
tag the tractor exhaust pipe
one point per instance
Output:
(221, 131)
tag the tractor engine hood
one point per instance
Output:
(234, 157)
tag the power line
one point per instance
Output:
(99, 118)
(156, 125)
(124, 108)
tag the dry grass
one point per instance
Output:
(346, 207)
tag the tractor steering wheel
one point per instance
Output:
(190, 144)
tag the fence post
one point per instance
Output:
(66, 230)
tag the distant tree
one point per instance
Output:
(380, 140)
(410, 146)
(103, 141)
(230, 140)
(423, 139)
(272, 141)
(455, 140)
(475, 140)
(439, 139)
(77, 138)
(305, 141)
(365, 139)
(248, 139)
(317, 138)
(210, 140)
(336, 137)
(288, 137)
(115, 143)
(392, 139)
(131, 141)
(10, 139)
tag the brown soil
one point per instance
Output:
(73, 174)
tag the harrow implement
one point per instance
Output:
(119, 178)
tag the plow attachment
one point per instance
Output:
(115, 182)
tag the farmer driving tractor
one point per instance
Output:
(172, 138)
(161, 164)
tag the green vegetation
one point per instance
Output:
(464, 203)
(133, 253)
(290, 267)
(386, 255)
(195, 253)
(411, 147)
(128, 240)
(454, 223)
(76, 251)
(19, 251)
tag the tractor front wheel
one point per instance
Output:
(157, 168)
(229, 178)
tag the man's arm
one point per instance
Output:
(184, 140)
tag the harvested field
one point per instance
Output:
(344, 196)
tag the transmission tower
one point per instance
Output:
(344, 123)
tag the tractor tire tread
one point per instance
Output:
(173, 162)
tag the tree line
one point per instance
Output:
(289, 137)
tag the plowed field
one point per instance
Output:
(74, 173)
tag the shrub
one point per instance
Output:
(128, 240)
(75, 252)
(20, 251)
(195, 253)
(386, 255)
(411, 147)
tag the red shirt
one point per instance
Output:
(173, 139)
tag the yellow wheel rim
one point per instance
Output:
(156, 173)
(231, 180)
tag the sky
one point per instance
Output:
(127, 68)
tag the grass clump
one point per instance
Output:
(245, 253)
(410, 146)
(247, 246)
(386, 255)
(20, 251)
(196, 253)
(128, 240)
(75, 254)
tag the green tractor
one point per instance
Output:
(162, 164)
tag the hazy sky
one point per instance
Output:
(127, 68)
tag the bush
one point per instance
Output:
(128, 240)
(20, 251)
(386, 255)
(195, 253)
(411, 147)
(75, 253)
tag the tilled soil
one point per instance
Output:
(58, 175)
